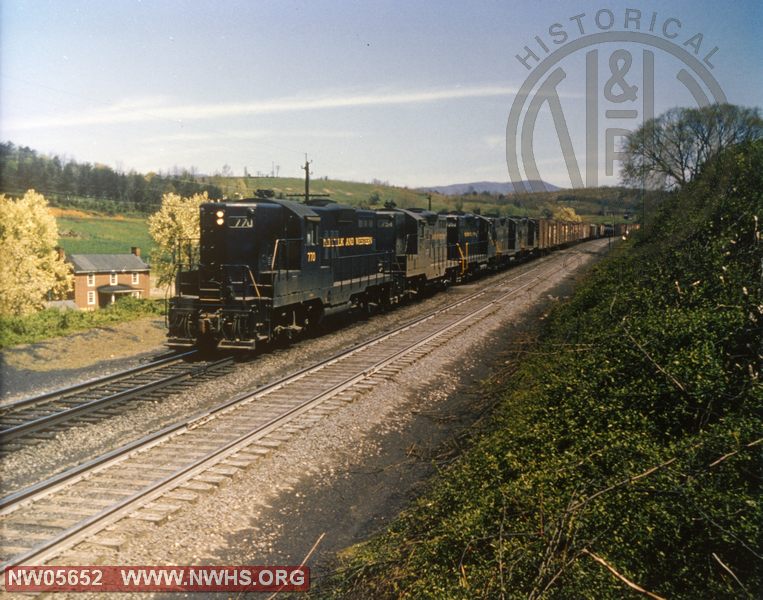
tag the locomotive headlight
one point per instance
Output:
(220, 221)
(219, 214)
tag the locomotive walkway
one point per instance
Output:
(153, 477)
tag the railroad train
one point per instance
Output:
(270, 267)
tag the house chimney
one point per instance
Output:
(135, 250)
(61, 253)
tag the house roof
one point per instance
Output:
(106, 263)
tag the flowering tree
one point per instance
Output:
(175, 229)
(567, 213)
(30, 266)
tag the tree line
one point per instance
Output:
(92, 186)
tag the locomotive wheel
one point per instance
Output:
(207, 344)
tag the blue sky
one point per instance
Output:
(412, 93)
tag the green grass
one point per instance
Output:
(51, 323)
(104, 235)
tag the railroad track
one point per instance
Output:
(155, 476)
(42, 416)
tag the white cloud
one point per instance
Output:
(146, 109)
(248, 135)
(494, 141)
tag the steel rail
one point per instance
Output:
(66, 391)
(11, 433)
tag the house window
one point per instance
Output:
(90, 279)
(112, 279)
(135, 278)
(91, 298)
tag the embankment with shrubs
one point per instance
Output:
(52, 322)
(623, 458)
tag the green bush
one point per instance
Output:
(627, 445)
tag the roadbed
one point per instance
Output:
(31, 369)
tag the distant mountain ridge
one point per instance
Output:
(492, 187)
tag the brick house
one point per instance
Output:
(99, 279)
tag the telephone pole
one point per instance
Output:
(307, 179)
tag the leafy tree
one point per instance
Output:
(95, 187)
(30, 267)
(567, 213)
(175, 229)
(669, 151)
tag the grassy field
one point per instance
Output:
(346, 192)
(85, 233)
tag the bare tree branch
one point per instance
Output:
(620, 576)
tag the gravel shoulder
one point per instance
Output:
(31, 369)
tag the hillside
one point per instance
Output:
(100, 210)
(98, 190)
(83, 231)
(595, 204)
(94, 233)
(624, 450)
(491, 187)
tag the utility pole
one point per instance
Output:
(307, 178)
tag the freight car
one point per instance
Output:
(268, 268)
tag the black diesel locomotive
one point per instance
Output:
(267, 267)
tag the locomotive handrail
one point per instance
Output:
(385, 258)
(280, 242)
(254, 283)
(244, 270)
(463, 257)
(275, 253)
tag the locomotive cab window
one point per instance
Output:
(311, 232)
